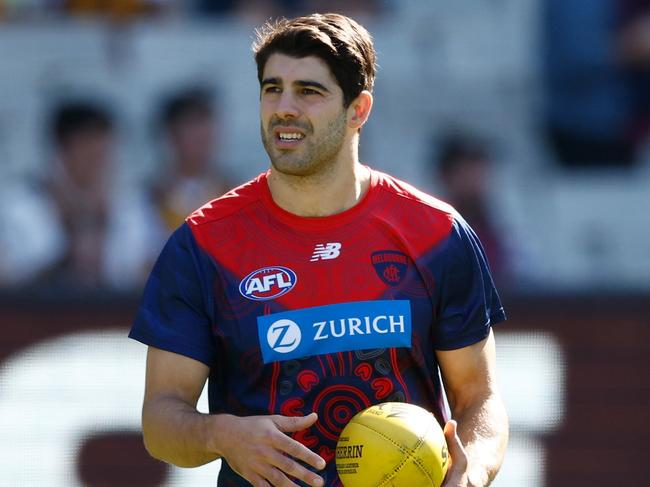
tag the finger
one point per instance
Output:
(289, 424)
(450, 430)
(299, 451)
(289, 466)
(276, 478)
(455, 446)
(257, 481)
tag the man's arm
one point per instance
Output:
(256, 447)
(174, 431)
(469, 376)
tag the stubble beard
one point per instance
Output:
(315, 155)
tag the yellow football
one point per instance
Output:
(392, 444)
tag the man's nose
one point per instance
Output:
(287, 106)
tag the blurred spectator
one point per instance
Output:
(120, 10)
(113, 10)
(191, 174)
(597, 95)
(260, 10)
(84, 137)
(253, 11)
(30, 236)
(98, 229)
(463, 164)
(357, 10)
(214, 7)
(634, 43)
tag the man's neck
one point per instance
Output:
(322, 194)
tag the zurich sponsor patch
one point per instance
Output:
(334, 328)
(268, 283)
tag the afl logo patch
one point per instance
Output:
(268, 283)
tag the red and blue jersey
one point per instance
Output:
(328, 314)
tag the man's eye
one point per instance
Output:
(309, 91)
(272, 89)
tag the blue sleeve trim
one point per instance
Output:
(476, 337)
(171, 346)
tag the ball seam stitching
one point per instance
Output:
(400, 448)
(418, 461)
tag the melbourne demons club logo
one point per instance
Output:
(390, 265)
(268, 283)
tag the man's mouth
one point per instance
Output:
(288, 138)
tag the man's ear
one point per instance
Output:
(359, 110)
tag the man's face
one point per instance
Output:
(87, 155)
(193, 142)
(303, 121)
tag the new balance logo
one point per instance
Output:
(326, 251)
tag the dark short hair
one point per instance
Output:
(187, 103)
(73, 117)
(344, 45)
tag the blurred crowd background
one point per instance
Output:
(531, 117)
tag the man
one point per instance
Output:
(80, 219)
(317, 289)
(79, 187)
(189, 123)
(464, 166)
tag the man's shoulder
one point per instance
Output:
(229, 204)
(413, 197)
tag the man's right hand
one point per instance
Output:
(257, 448)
